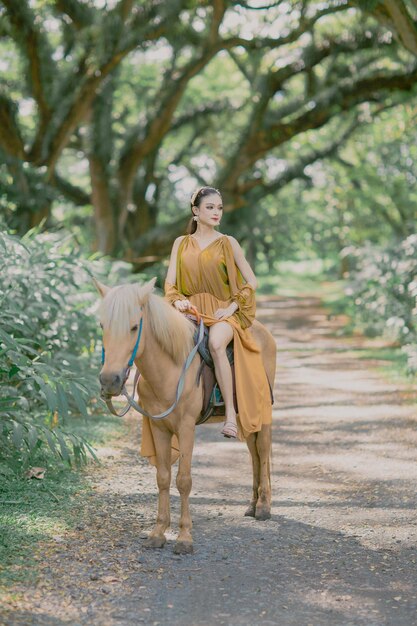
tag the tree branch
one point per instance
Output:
(201, 112)
(79, 13)
(37, 52)
(260, 132)
(340, 97)
(296, 170)
(81, 101)
(403, 22)
(156, 128)
(10, 139)
(246, 5)
(136, 151)
(395, 15)
(71, 192)
(305, 25)
(157, 242)
(124, 8)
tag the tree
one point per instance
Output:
(305, 69)
(63, 71)
(398, 16)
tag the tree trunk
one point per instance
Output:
(104, 217)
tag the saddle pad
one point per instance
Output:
(206, 376)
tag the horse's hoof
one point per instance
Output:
(154, 542)
(183, 547)
(262, 514)
(250, 511)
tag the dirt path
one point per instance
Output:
(339, 550)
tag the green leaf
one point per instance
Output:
(48, 392)
(32, 438)
(13, 370)
(91, 450)
(17, 435)
(63, 447)
(62, 401)
(51, 439)
(4, 402)
(78, 399)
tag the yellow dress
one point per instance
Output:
(210, 280)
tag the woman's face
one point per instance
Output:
(210, 210)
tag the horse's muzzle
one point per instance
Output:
(111, 384)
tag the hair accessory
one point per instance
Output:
(195, 194)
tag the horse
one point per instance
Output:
(133, 317)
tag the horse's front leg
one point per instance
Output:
(184, 544)
(263, 445)
(251, 443)
(162, 441)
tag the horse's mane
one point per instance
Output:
(173, 332)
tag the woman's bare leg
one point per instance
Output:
(221, 334)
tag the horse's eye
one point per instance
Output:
(135, 327)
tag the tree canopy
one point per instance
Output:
(116, 114)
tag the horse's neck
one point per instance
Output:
(155, 365)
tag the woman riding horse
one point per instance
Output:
(208, 271)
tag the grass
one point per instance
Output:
(294, 278)
(393, 362)
(34, 510)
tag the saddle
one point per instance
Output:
(213, 403)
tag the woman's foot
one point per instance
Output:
(230, 429)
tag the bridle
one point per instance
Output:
(131, 402)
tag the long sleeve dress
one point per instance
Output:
(210, 280)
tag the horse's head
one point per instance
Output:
(121, 315)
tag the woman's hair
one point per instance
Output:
(196, 198)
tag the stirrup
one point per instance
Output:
(216, 397)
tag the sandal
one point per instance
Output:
(230, 430)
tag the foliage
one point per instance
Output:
(38, 510)
(364, 191)
(383, 288)
(122, 109)
(48, 349)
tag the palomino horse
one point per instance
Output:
(166, 339)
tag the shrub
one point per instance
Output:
(49, 357)
(383, 288)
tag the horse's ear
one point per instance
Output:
(147, 289)
(102, 289)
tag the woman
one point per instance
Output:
(208, 270)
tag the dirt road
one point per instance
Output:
(340, 548)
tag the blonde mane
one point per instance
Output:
(119, 310)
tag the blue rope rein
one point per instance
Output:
(135, 349)
(180, 385)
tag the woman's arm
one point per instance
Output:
(242, 263)
(172, 293)
(171, 276)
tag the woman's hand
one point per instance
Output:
(182, 305)
(223, 314)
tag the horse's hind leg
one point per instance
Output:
(184, 544)
(251, 443)
(162, 440)
(263, 445)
